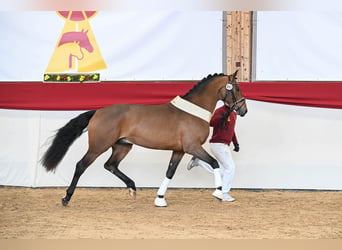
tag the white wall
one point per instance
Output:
(287, 147)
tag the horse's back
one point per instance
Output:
(152, 126)
(133, 112)
(136, 123)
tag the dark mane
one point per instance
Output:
(201, 84)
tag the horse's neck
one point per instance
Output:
(204, 101)
(207, 97)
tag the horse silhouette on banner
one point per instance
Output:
(76, 49)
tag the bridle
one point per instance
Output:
(229, 89)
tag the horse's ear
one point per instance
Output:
(235, 73)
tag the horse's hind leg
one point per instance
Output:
(81, 166)
(171, 170)
(120, 150)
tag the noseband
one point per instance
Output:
(229, 89)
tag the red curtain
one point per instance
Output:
(85, 96)
(313, 94)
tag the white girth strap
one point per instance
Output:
(191, 108)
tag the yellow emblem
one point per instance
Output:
(76, 49)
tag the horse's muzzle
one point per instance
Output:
(242, 110)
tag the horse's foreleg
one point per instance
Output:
(171, 170)
(120, 150)
(81, 166)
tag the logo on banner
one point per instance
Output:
(76, 49)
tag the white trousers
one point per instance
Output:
(223, 155)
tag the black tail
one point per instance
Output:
(63, 139)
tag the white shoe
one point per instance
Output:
(160, 202)
(218, 194)
(227, 197)
(192, 163)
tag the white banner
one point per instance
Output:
(130, 45)
(299, 45)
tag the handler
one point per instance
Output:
(223, 122)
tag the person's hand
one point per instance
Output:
(236, 147)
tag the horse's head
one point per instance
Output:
(84, 41)
(79, 37)
(232, 96)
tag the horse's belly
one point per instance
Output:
(157, 140)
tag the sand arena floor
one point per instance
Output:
(110, 213)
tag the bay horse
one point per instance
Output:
(181, 125)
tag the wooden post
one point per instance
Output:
(238, 42)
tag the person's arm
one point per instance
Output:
(216, 118)
(236, 143)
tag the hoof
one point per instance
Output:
(64, 202)
(132, 193)
(160, 202)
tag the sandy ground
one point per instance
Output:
(110, 213)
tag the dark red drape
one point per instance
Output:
(313, 94)
(85, 96)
